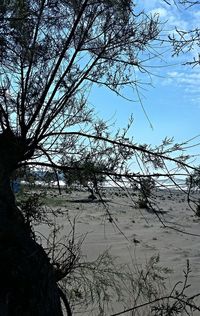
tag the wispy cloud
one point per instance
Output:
(192, 78)
(162, 12)
(176, 17)
(189, 81)
(173, 18)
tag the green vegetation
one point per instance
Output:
(146, 187)
(88, 174)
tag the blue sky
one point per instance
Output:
(173, 101)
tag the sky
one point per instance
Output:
(172, 101)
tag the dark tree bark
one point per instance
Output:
(27, 279)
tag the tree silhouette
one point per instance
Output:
(88, 174)
(186, 40)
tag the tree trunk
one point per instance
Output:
(27, 279)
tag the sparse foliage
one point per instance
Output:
(187, 40)
(193, 180)
(146, 187)
(88, 174)
(193, 184)
(32, 208)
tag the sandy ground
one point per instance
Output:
(135, 234)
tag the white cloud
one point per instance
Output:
(173, 74)
(175, 21)
(192, 90)
(188, 81)
(162, 12)
(174, 17)
(171, 14)
(196, 101)
(197, 14)
(189, 78)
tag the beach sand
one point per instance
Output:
(134, 235)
